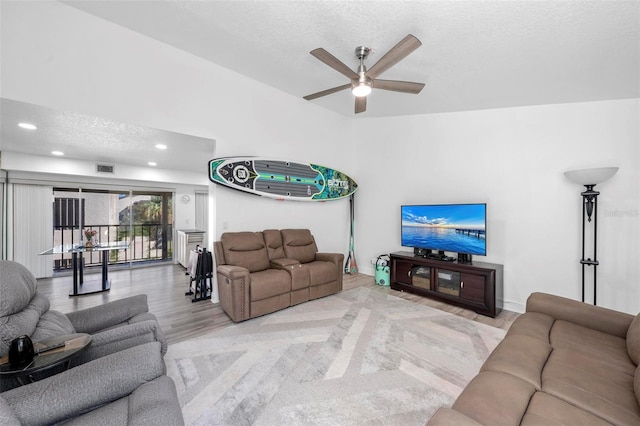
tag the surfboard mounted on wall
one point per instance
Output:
(280, 179)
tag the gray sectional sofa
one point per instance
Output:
(113, 326)
(118, 380)
(562, 362)
(125, 388)
(262, 272)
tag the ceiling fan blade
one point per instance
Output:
(398, 86)
(361, 104)
(334, 62)
(395, 55)
(327, 92)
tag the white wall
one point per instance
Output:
(514, 159)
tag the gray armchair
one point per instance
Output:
(117, 325)
(126, 388)
(114, 326)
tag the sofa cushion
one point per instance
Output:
(595, 366)
(17, 287)
(633, 340)
(60, 397)
(591, 392)
(273, 240)
(494, 398)
(23, 322)
(521, 356)
(152, 402)
(299, 245)
(320, 272)
(594, 375)
(566, 334)
(52, 323)
(533, 324)
(245, 249)
(593, 317)
(547, 410)
(448, 417)
(269, 283)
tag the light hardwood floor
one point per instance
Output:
(180, 319)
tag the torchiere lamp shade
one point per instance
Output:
(591, 177)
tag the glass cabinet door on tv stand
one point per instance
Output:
(476, 285)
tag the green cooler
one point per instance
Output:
(383, 267)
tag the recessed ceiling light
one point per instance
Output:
(152, 163)
(161, 146)
(27, 126)
(57, 153)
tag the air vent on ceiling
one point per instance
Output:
(105, 168)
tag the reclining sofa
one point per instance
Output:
(124, 388)
(120, 379)
(562, 362)
(113, 326)
(263, 272)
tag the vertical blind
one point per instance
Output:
(201, 200)
(32, 227)
(3, 221)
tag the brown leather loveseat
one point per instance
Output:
(263, 272)
(562, 362)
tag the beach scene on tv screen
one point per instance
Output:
(457, 228)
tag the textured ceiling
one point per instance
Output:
(96, 139)
(475, 54)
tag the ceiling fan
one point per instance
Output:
(363, 81)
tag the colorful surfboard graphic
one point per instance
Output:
(281, 179)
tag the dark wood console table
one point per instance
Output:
(476, 285)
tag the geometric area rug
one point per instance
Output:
(359, 357)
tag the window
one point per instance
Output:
(67, 213)
(143, 219)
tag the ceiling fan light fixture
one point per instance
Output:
(27, 126)
(361, 88)
(362, 81)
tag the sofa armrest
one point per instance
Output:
(231, 271)
(84, 388)
(117, 339)
(234, 291)
(450, 417)
(593, 317)
(336, 258)
(283, 263)
(108, 315)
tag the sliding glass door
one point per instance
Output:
(151, 219)
(142, 219)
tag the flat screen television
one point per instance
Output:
(459, 228)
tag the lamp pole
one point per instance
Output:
(590, 201)
(589, 178)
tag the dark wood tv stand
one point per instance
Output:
(476, 285)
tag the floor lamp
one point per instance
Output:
(590, 178)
